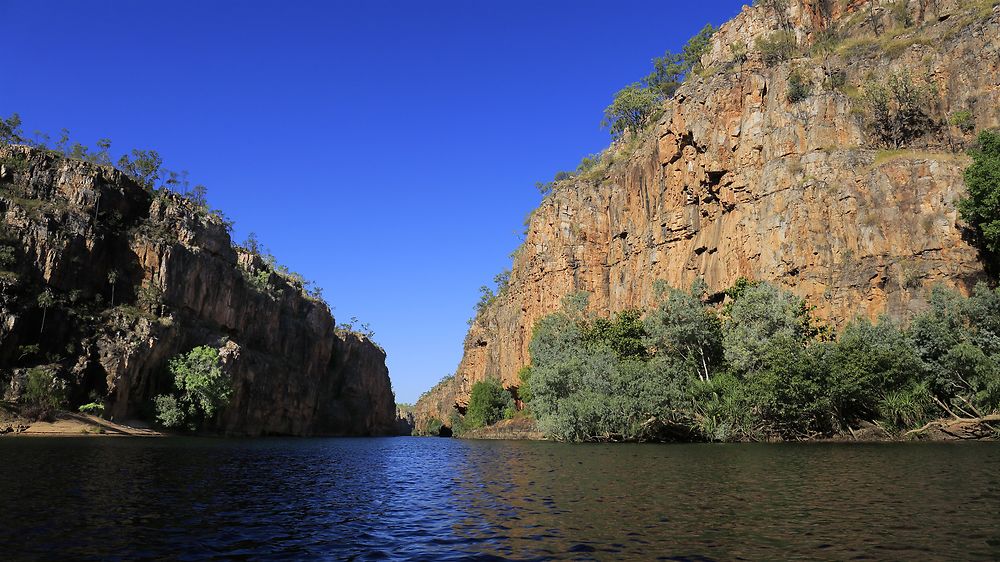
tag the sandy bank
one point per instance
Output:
(68, 424)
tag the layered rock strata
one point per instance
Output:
(735, 180)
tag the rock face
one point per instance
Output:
(734, 180)
(137, 277)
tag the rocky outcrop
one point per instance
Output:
(734, 180)
(139, 276)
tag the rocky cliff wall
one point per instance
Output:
(734, 180)
(138, 277)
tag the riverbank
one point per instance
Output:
(986, 428)
(69, 424)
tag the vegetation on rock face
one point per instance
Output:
(759, 368)
(981, 208)
(799, 86)
(201, 389)
(777, 47)
(898, 110)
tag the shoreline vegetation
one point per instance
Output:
(752, 366)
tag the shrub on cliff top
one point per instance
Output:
(10, 130)
(631, 109)
(144, 167)
(201, 390)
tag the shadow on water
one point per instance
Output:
(451, 499)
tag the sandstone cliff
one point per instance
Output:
(735, 180)
(176, 282)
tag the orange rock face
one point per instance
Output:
(734, 180)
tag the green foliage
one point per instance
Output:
(958, 340)
(169, 411)
(631, 109)
(777, 47)
(698, 46)
(762, 317)
(144, 167)
(670, 70)
(981, 209)
(488, 403)
(432, 427)
(524, 388)
(7, 259)
(10, 130)
(964, 120)
(897, 110)
(590, 378)
(200, 390)
(93, 408)
(487, 296)
(758, 368)
(356, 326)
(867, 361)
(43, 390)
(683, 329)
(799, 86)
(624, 335)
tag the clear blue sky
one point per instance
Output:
(385, 149)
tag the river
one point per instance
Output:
(440, 499)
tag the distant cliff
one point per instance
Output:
(137, 276)
(742, 177)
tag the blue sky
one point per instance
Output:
(385, 149)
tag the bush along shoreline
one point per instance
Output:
(757, 367)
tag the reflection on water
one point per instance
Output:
(441, 498)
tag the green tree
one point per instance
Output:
(683, 328)
(144, 167)
(631, 109)
(112, 280)
(201, 389)
(981, 209)
(697, 47)
(488, 403)
(10, 130)
(761, 317)
(43, 392)
(670, 70)
(103, 153)
(867, 363)
(897, 109)
(45, 300)
(799, 86)
(777, 47)
(624, 335)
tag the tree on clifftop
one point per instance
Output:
(631, 109)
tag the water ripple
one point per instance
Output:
(409, 498)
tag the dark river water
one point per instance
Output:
(434, 499)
